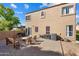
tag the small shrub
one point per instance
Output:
(77, 35)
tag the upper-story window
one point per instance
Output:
(71, 10)
(67, 10)
(28, 17)
(42, 14)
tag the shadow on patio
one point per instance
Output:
(29, 50)
(36, 51)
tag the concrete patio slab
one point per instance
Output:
(44, 47)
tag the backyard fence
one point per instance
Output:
(4, 34)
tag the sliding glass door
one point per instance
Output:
(69, 30)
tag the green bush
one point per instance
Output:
(77, 35)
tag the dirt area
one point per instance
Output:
(44, 47)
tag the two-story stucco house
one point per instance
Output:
(59, 19)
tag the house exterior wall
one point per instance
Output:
(54, 19)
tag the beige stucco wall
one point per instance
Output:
(54, 19)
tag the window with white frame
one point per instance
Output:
(69, 30)
(67, 10)
(71, 10)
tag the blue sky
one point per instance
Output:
(77, 12)
(22, 8)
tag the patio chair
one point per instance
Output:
(35, 38)
(13, 42)
(17, 45)
(29, 40)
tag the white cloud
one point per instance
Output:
(17, 12)
(13, 5)
(46, 4)
(50, 4)
(26, 6)
(77, 16)
(43, 5)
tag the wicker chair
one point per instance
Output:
(35, 38)
(29, 40)
(12, 41)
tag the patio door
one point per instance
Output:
(29, 31)
(69, 30)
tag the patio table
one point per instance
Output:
(26, 39)
(23, 41)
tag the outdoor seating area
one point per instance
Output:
(17, 41)
(46, 42)
(31, 45)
